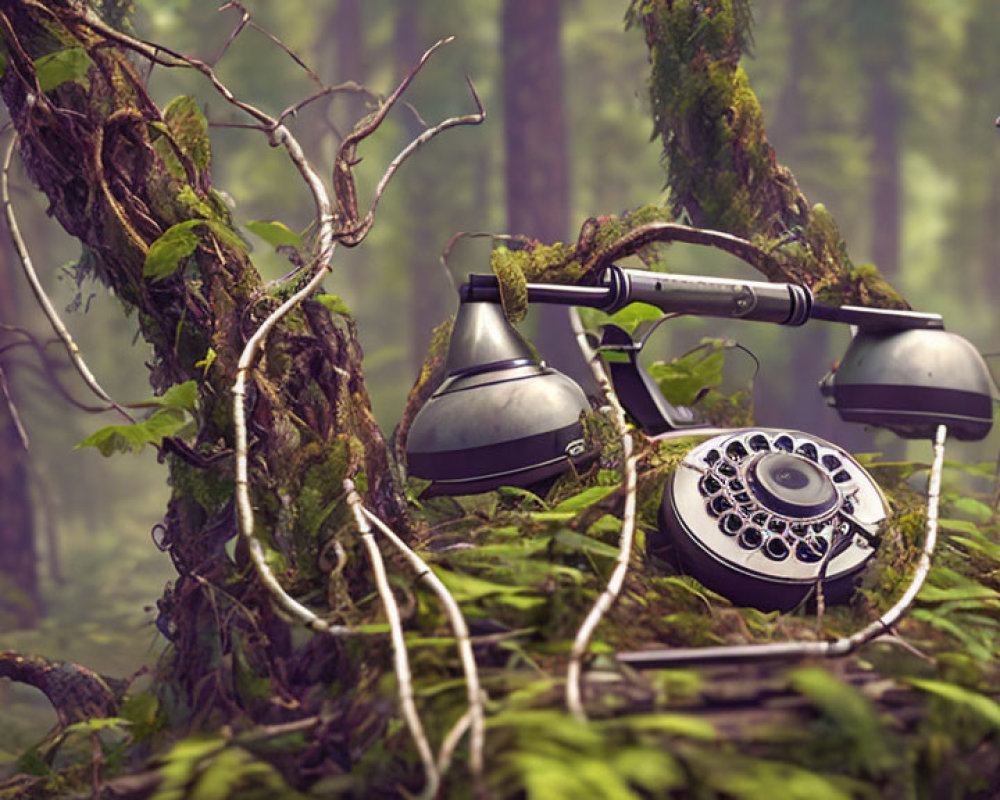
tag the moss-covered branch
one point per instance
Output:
(721, 170)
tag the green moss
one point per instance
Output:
(211, 489)
(322, 490)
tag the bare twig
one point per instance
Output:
(451, 740)
(47, 372)
(247, 20)
(350, 87)
(401, 662)
(462, 641)
(15, 417)
(244, 19)
(344, 228)
(243, 504)
(43, 300)
(467, 119)
(581, 642)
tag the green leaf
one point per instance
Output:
(181, 395)
(552, 516)
(980, 544)
(959, 526)
(132, 438)
(207, 361)
(181, 763)
(682, 379)
(33, 763)
(578, 543)
(850, 711)
(584, 499)
(607, 525)
(100, 724)
(973, 591)
(333, 303)
(190, 129)
(165, 254)
(517, 491)
(982, 705)
(633, 315)
(969, 506)
(673, 724)
(71, 64)
(275, 233)
(467, 587)
(746, 778)
(142, 712)
(226, 235)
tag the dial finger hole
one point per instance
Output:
(811, 551)
(776, 549)
(736, 451)
(759, 443)
(809, 451)
(751, 539)
(730, 524)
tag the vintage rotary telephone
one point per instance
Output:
(759, 515)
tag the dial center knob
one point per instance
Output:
(792, 486)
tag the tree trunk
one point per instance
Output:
(536, 148)
(723, 172)
(20, 598)
(119, 173)
(883, 52)
(426, 308)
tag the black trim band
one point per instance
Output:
(494, 459)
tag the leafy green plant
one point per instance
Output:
(174, 415)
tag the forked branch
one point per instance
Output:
(400, 658)
(476, 720)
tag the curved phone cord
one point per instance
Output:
(654, 659)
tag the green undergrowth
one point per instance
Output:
(526, 567)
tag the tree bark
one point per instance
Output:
(722, 170)
(118, 174)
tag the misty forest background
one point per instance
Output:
(883, 110)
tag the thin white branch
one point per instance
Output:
(244, 507)
(451, 740)
(43, 299)
(894, 614)
(400, 659)
(326, 239)
(462, 641)
(468, 119)
(22, 434)
(574, 700)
